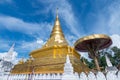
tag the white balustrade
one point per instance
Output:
(91, 76)
(82, 76)
(100, 76)
(67, 75)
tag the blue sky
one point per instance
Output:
(28, 23)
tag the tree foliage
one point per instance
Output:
(115, 58)
(116, 55)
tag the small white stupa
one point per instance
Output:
(68, 71)
(10, 54)
(6, 63)
(110, 67)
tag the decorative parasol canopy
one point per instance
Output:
(95, 42)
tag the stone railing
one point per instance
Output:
(99, 76)
(82, 76)
(34, 77)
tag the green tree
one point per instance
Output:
(102, 62)
(116, 55)
(115, 59)
(90, 64)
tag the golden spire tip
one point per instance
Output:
(57, 12)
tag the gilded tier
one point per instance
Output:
(52, 56)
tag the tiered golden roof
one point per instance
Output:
(52, 56)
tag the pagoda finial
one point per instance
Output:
(57, 22)
(57, 28)
(57, 13)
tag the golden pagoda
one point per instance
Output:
(52, 56)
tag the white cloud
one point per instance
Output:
(6, 1)
(40, 42)
(116, 40)
(26, 46)
(107, 19)
(67, 14)
(15, 24)
(70, 19)
(71, 39)
(23, 47)
(114, 11)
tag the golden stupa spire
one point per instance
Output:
(57, 36)
(57, 28)
(57, 13)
